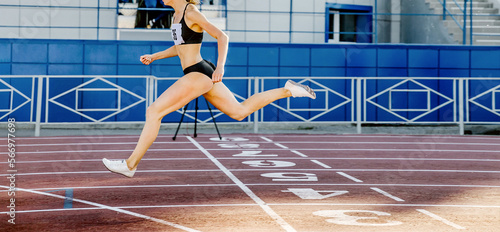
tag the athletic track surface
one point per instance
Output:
(251, 182)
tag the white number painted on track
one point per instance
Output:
(311, 194)
(341, 218)
(227, 139)
(269, 163)
(245, 145)
(253, 154)
(291, 176)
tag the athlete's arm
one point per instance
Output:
(167, 53)
(196, 17)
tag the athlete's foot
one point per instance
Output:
(118, 166)
(299, 90)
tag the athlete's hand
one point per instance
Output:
(218, 74)
(147, 59)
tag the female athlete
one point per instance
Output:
(201, 77)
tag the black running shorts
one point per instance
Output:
(206, 67)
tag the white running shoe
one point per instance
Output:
(118, 166)
(299, 90)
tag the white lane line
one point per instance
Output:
(265, 184)
(100, 160)
(96, 151)
(389, 185)
(396, 137)
(90, 137)
(268, 140)
(109, 208)
(256, 205)
(363, 136)
(280, 145)
(55, 210)
(320, 164)
(298, 153)
(391, 205)
(277, 144)
(332, 158)
(387, 194)
(385, 143)
(95, 137)
(99, 172)
(350, 177)
(369, 170)
(339, 171)
(245, 188)
(134, 207)
(387, 149)
(283, 158)
(441, 219)
(264, 138)
(88, 144)
(135, 186)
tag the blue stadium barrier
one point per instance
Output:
(394, 79)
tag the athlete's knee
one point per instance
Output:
(238, 115)
(153, 113)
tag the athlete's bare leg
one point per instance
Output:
(223, 99)
(175, 97)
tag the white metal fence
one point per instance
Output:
(364, 100)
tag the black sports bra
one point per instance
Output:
(182, 34)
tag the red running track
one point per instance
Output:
(249, 182)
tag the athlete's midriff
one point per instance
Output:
(189, 54)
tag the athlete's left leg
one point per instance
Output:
(223, 99)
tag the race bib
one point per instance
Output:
(177, 33)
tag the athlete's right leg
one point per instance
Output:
(175, 97)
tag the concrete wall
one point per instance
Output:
(261, 21)
(58, 19)
(388, 26)
(271, 21)
(423, 29)
(496, 3)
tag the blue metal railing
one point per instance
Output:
(45, 101)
